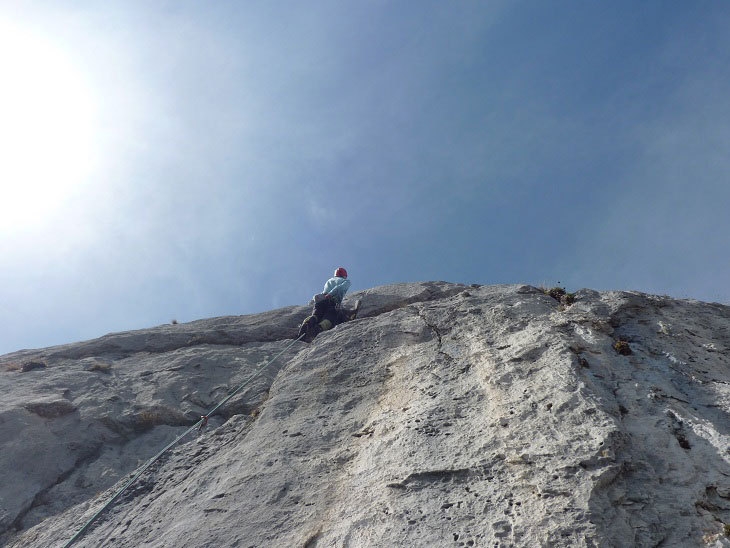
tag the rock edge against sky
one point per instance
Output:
(444, 415)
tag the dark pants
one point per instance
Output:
(326, 309)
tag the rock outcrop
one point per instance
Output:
(445, 415)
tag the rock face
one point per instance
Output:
(445, 415)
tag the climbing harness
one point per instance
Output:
(199, 425)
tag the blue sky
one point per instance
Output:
(205, 159)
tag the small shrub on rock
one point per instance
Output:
(622, 347)
(561, 295)
(30, 366)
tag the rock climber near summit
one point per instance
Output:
(328, 310)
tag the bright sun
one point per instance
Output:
(47, 126)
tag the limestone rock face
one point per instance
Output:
(445, 415)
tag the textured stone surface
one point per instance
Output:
(445, 415)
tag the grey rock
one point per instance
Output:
(445, 415)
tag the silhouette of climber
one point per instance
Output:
(328, 310)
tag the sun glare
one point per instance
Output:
(47, 124)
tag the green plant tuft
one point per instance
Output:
(622, 347)
(561, 295)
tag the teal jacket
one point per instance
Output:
(336, 287)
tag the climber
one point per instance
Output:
(328, 310)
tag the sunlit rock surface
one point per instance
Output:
(445, 415)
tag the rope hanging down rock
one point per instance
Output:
(199, 425)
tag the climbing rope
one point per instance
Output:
(199, 425)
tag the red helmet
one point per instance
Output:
(340, 273)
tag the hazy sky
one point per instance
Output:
(168, 160)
